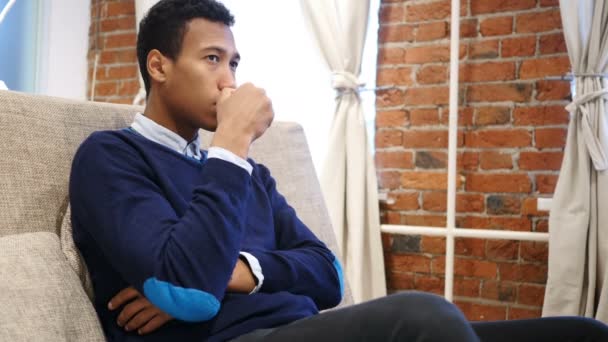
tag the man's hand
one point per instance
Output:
(138, 313)
(242, 279)
(243, 115)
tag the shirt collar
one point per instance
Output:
(164, 136)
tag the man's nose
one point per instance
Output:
(227, 81)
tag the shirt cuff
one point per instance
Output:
(256, 269)
(225, 155)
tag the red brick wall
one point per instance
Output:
(510, 143)
(113, 27)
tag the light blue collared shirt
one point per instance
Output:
(164, 136)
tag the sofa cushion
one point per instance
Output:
(72, 254)
(42, 298)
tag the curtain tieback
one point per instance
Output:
(594, 146)
(345, 82)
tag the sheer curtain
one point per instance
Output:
(348, 177)
(578, 223)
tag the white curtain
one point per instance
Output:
(578, 223)
(348, 179)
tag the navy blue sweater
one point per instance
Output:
(172, 227)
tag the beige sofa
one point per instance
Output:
(42, 279)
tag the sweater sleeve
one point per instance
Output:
(181, 264)
(302, 264)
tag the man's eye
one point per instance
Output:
(234, 65)
(213, 58)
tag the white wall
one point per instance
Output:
(63, 48)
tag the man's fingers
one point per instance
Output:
(131, 310)
(123, 297)
(141, 318)
(226, 93)
(155, 323)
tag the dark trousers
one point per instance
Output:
(417, 317)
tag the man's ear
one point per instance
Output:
(158, 66)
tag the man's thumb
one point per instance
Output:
(225, 94)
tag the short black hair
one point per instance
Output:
(164, 26)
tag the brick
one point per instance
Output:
(540, 160)
(534, 251)
(492, 160)
(496, 26)
(545, 184)
(542, 226)
(106, 88)
(428, 11)
(425, 139)
(389, 98)
(529, 207)
(521, 313)
(482, 312)
(492, 116)
(518, 92)
(409, 263)
(396, 33)
(123, 72)
(502, 250)
(397, 159)
(499, 290)
(427, 54)
(552, 43)
(128, 87)
(470, 247)
(483, 49)
(394, 13)
(468, 161)
(432, 74)
(529, 273)
(394, 76)
(387, 239)
(498, 138)
(432, 244)
(503, 205)
(427, 96)
(552, 90)
(393, 118)
(467, 267)
(496, 6)
(538, 21)
(390, 217)
(389, 138)
(120, 40)
(431, 31)
(400, 280)
(113, 9)
(541, 67)
(424, 180)
(540, 116)
(405, 244)
(431, 284)
(468, 28)
(434, 201)
(389, 179)
(431, 160)
(470, 203)
(120, 56)
(424, 117)
(424, 220)
(488, 71)
(465, 117)
(390, 55)
(404, 201)
(549, 3)
(511, 183)
(550, 137)
(518, 47)
(466, 287)
(117, 24)
(531, 294)
(496, 222)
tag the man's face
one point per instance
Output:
(205, 65)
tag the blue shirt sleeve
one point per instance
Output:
(302, 264)
(181, 264)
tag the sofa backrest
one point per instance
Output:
(39, 136)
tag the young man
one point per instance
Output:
(191, 245)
